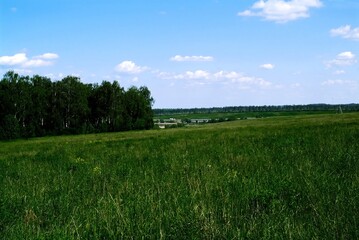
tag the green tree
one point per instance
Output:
(106, 103)
(16, 101)
(40, 96)
(138, 103)
(9, 128)
(37, 106)
(69, 105)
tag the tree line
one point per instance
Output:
(352, 107)
(37, 106)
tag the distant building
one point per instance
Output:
(202, 120)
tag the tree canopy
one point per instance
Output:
(36, 106)
(350, 107)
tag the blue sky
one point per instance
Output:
(203, 53)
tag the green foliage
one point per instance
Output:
(36, 107)
(255, 110)
(9, 128)
(272, 178)
(138, 103)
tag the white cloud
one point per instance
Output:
(281, 11)
(223, 77)
(346, 55)
(135, 79)
(267, 66)
(48, 56)
(346, 32)
(36, 63)
(198, 74)
(22, 71)
(227, 75)
(179, 58)
(129, 67)
(55, 76)
(21, 60)
(339, 72)
(338, 82)
(295, 85)
(235, 77)
(13, 60)
(343, 59)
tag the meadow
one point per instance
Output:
(284, 177)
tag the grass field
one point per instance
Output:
(289, 177)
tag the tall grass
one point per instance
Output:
(279, 178)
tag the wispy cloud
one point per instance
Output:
(338, 82)
(57, 75)
(342, 59)
(281, 11)
(223, 77)
(267, 66)
(198, 74)
(129, 67)
(179, 58)
(21, 60)
(346, 32)
(237, 77)
(339, 72)
(37, 63)
(47, 56)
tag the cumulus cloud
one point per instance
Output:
(281, 11)
(179, 58)
(129, 67)
(198, 74)
(188, 75)
(223, 77)
(13, 60)
(267, 66)
(343, 59)
(21, 60)
(236, 77)
(346, 32)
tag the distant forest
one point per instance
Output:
(321, 107)
(36, 106)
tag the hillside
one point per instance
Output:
(275, 178)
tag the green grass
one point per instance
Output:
(291, 177)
